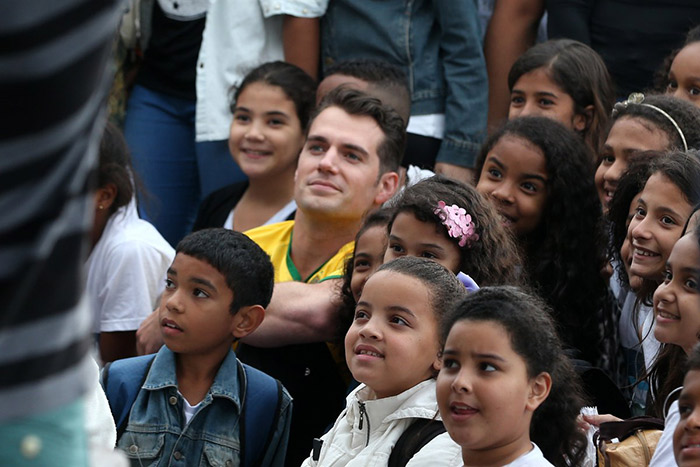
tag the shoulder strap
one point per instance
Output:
(122, 380)
(260, 393)
(417, 435)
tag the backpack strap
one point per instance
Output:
(418, 434)
(260, 393)
(122, 380)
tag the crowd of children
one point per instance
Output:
(465, 314)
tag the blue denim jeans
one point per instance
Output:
(177, 173)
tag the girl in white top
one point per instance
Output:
(392, 348)
(128, 259)
(505, 386)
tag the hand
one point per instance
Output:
(463, 174)
(148, 337)
(596, 420)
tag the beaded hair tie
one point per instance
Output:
(638, 99)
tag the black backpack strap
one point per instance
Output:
(260, 393)
(418, 434)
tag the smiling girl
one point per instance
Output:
(538, 174)
(271, 109)
(392, 348)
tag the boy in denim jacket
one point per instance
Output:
(188, 409)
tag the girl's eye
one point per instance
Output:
(495, 173)
(517, 100)
(169, 284)
(672, 84)
(684, 410)
(607, 159)
(275, 122)
(694, 91)
(450, 363)
(429, 255)
(691, 284)
(199, 293)
(241, 118)
(483, 366)
(529, 186)
(666, 220)
(668, 276)
(361, 265)
(398, 320)
(396, 248)
(361, 314)
(546, 102)
(640, 213)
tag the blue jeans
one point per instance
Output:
(177, 173)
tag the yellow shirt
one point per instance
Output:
(276, 240)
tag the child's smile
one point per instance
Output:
(392, 344)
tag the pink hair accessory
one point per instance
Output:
(459, 224)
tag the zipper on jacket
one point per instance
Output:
(363, 413)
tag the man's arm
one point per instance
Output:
(300, 37)
(299, 313)
(511, 31)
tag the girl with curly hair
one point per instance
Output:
(506, 391)
(539, 176)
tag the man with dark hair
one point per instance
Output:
(346, 169)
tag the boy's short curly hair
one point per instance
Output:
(245, 266)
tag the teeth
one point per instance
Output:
(666, 315)
(369, 352)
(171, 326)
(643, 253)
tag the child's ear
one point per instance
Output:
(387, 186)
(246, 320)
(540, 386)
(582, 121)
(105, 196)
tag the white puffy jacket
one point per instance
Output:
(365, 432)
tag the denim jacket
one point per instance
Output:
(438, 44)
(156, 434)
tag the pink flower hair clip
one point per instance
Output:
(459, 224)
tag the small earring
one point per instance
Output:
(100, 207)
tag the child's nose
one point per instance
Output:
(641, 229)
(503, 193)
(254, 132)
(370, 330)
(173, 302)
(462, 382)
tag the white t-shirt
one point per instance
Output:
(663, 455)
(126, 271)
(534, 458)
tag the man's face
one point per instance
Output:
(338, 172)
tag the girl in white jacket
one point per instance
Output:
(393, 348)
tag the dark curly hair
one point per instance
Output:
(565, 254)
(491, 260)
(534, 338)
(580, 72)
(379, 218)
(296, 84)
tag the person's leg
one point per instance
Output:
(160, 133)
(216, 166)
